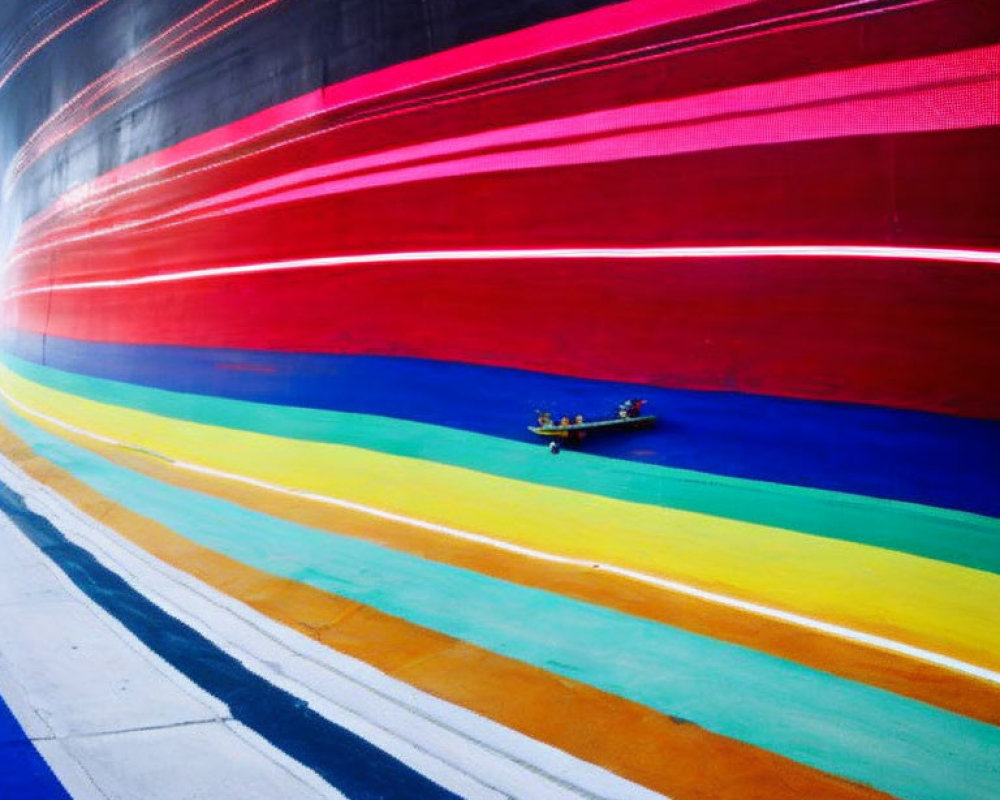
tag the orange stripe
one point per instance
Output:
(921, 681)
(668, 755)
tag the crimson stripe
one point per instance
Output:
(894, 333)
(839, 191)
(962, 88)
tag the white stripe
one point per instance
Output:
(471, 755)
(758, 609)
(98, 704)
(602, 253)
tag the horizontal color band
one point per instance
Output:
(542, 254)
(913, 599)
(661, 662)
(344, 759)
(824, 106)
(621, 736)
(840, 326)
(851, 659)
(861, 451)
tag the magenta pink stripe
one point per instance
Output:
(957, 90)
(550, 37)
(599, 25)
(951, 91)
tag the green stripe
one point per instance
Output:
(969, 540)
(862, 733)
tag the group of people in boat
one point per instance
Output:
(627, 409)
(545, 420)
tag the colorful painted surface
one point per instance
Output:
(23, 772)
(290, 345)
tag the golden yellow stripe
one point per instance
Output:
(922, 681)
(942, 607)
(669, 755)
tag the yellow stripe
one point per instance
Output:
(912, 678)
(943, 607)
(672, 756)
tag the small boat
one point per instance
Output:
(629, 416)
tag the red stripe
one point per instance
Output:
(892, 35)
(957, 90)
(904, 334)
(938, 189)
(515, 47)
(901, 334)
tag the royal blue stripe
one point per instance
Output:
(348, 762)
(23, 771)
(932, 459)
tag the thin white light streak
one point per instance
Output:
(571, 253)
(117, 79)
(48, 38)
(676, 587)
(116, 191)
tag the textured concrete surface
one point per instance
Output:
(111, 718)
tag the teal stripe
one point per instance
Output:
(868, 735)
(957, 537)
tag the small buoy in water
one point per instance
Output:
(553, 447)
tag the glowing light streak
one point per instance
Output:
(965, 84)
(114, 184)
(969, 79)
(602, 253)
(131, 76)
(52, 132)
(53, 35)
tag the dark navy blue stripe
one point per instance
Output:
(348, 762)
(933, 459)
(24, 775)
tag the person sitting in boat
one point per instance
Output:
(578, 420)
(544, 419)
(630, 408)
(564, 422)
